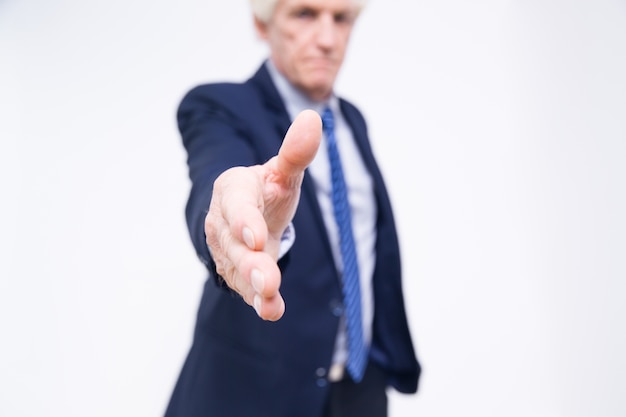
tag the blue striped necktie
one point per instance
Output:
(357, 352)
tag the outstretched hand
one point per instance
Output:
(250, 209)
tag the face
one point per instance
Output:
(308, 41)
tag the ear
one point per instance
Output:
(261, 28)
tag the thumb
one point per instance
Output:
(300, 144)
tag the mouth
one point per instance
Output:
(322, 63)
(323, 59)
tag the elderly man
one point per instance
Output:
(302, 314)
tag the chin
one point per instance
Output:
(320, 87)
(318, 92)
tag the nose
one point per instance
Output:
(326, 31)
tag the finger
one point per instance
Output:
(271, 309)
(300, 145)
(245, 270)
(257, 279)
(239, 202)
(259, 270)
(254, 275)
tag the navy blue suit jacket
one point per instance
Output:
(240, 365)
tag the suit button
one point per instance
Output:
(322, 382)
(320, 374)
(336, 308)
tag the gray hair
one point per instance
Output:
(263, 9)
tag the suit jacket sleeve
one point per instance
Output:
(215, 140)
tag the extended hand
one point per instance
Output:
(251, 208)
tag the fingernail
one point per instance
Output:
(257, 280)
(248, 237)
(258, 304)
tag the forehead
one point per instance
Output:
(332, 5)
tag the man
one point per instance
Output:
(267, 217)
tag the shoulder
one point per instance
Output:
(231, 96)
(237, 97)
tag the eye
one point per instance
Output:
(305, 13)
(344, 17)
(341, 17)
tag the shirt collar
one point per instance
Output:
(295, 100)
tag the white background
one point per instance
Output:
(500, 126)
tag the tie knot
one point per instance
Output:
(328, 120)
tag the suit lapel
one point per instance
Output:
(272, 101)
